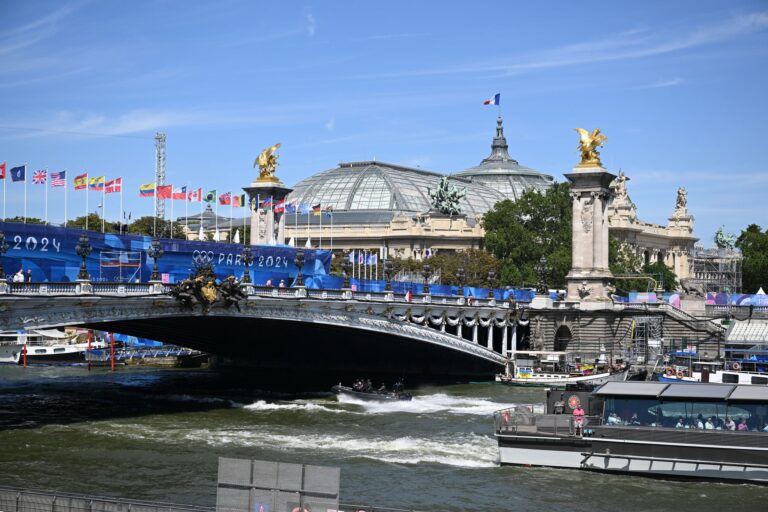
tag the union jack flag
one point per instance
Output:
(38, 178)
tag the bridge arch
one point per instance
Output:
(563, 337)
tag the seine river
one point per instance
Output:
(158, 434)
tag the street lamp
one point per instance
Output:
(83, 249)
(542, 270)
(155, 252)
(247, 260)
(298, 260)
(426, 272)
(346, 267)
(388, 268)
(491, 281)
(460, 276)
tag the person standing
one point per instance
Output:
(578, 419)
(29, 275)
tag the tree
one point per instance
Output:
(519, 233)
(146, 226)
(623, 262)
(29, 220)
(94, 224)
(753, 243)
(663, 275)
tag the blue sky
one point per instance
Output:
(678, 88)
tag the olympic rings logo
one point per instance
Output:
(202, 256)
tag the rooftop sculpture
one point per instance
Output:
(445, 198)
(267, 163)
(724, 240)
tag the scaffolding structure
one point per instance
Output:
(159, 173)
(717, 270)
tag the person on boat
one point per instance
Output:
(613, 419)
(742, 425)
(578, 419)
(710, 424)
(633, 420)
(368, 386)
(680, 423)
(382, 388)
(729, 423)
(700, 422)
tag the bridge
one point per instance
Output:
(289, 333)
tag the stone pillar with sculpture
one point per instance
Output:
(267, 225)
(590, 275)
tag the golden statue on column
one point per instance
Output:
(588, 144)
(267, 163)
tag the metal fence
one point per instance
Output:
(14, 499)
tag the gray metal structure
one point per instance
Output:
(265, 486)
(717, 270)
(159, 172)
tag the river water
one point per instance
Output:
(157, 435)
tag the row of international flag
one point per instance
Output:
(101, 184)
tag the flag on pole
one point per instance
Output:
(267, 203)
(146, 190)
(19, 173)
(290, 207)
(493, 101)
(39, 177)
(408, 296)
(304, 209)
(179, 193)
(2, 171)
(280, 206)
(96, 183)
(210, 196)
(329, 211)
(114, 186)
(164, 191)
(81, 182)
(238, 201)
(195, 195)
(316, 209)
(225, 199)
(59, 179)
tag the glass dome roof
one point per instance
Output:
(360, 186)
(503, 173)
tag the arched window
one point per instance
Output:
(563, 337)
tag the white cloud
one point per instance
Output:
(310, 22)
(662, 83)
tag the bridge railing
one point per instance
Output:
(154, 288)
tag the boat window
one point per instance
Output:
(730, 378)
(39, 351)
(630, 411)
(693, 413)
(759, 380)
(59, 349)
(755, 415)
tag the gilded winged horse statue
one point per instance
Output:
(267, 162)
(588, 144)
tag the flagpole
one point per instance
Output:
(65, 198)
(201, 213)
(186, 211)
(320, 242)
(216, 213)
(245, 214)
(5, 178)
(154, 213)
(120, 217)
(103, 203)
(331, 232)
(308, 244)
(296, 222)
(25, 193)
(46, 196)
(172, 212)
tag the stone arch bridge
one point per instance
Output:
(317, 336)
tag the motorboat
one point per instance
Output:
(660, 429)
(372, 395)
(44, 346)
(547, 368)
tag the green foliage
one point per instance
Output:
(622, 262)
(663, 275)
(146, 226)
(753, 243)
(94, 224)
(519, 233)
(20, 220)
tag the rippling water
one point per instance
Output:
(157, 434)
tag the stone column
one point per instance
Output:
(489, 344)
(504, 340)
(591, 196)
(267, 227)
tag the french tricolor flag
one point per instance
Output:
(494, 100)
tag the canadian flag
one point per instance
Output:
(195, 195)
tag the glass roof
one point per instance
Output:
(381, 186)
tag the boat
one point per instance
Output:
(750, 368)
(659, 429)
(373, 395)
(547, 368)
(44, 346)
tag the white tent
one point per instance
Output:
(237, 237)
(216, 236)
(201, 233)
(760, 291)
(292, 242)
(308, 245)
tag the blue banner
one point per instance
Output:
(50, 253)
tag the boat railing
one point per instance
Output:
(514, 420)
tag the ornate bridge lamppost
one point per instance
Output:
(460, 276)
(83, 249)
(3, 250)
(247, 260)
(346, 268)
(155, 251)
(542, 271)
(491, 283)
(298, 260)
(388, 269)
(426, 272)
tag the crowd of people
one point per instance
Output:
(20, 276)
(698, 422)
